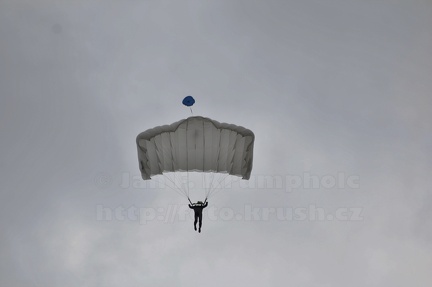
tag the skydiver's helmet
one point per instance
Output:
(200, 203)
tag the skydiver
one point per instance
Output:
(198, 207)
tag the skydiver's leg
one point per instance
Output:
(196, 219)
(200, 222)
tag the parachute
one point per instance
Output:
(188, 101)
(196, 144)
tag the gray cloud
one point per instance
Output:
(328, 88)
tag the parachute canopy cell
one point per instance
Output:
(188, 101)
(196, 144)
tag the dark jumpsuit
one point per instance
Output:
(198, 213)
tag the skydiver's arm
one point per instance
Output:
(205, 205)
(190, 206)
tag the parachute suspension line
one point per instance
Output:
(191, 110)
(173, 179)
(177, 190)
(180, 187)
(209, 187)
(215, 191)
(187, 160)
(184, 186)
(204, 158)
(206, 187)
(218, 183)
(187, 185)
(178, 178)
(205, 183)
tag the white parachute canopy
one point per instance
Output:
(196, 144)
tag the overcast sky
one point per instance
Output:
(337, 92)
